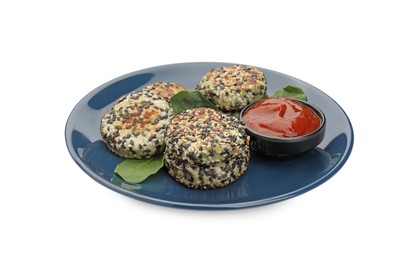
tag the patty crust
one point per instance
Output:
(204, 136)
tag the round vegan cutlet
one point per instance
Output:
(135, 126)
(232, 88)
(211, 176)
(164, 89)
(203, 136)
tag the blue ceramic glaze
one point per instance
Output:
(267, 180)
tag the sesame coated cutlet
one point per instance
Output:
(205, 148)
(234, 87)
(135, 126)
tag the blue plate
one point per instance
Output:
(266, 180)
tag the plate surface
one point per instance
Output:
(266, 180)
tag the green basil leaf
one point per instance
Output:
(136, 171)
(291, 92)
(189, 99)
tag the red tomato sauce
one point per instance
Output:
(281, 117)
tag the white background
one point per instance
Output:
(53, 53)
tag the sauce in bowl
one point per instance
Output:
(281, 117)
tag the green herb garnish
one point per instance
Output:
(136, 171)
(189, 99)
(290, 92)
